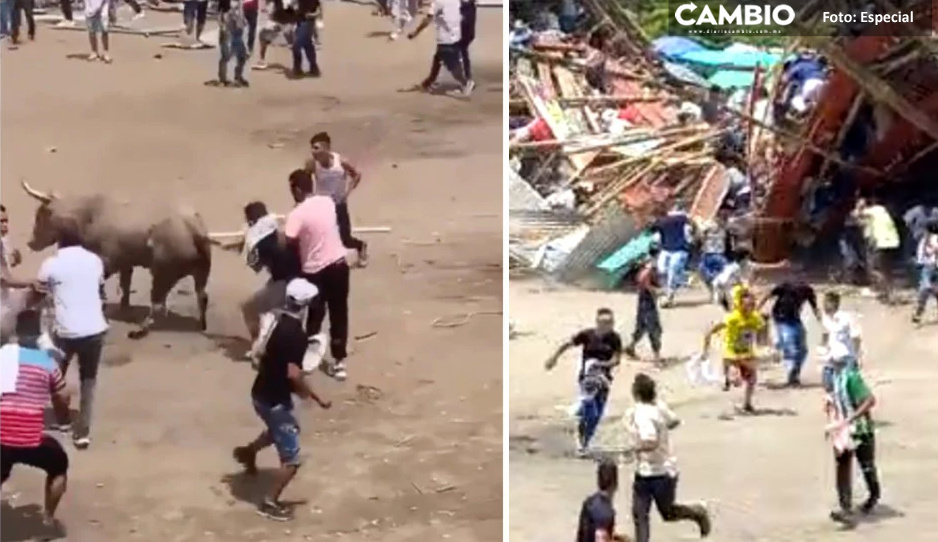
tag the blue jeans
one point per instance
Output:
(6, 16)
(303, 43)
(927, 287)
(672, 265)
(711, 265)
(231, 44)
(590, 413)
(793, 344)
(283, 429)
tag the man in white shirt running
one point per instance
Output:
(841, 334)
(651, 422)
(74, 278)
(447, 17)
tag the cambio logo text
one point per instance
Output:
(741, 15)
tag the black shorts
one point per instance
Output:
(48, 456)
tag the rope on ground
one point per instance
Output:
(461, 319)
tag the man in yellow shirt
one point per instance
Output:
(741, 328)
(882, 239)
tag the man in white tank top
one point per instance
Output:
(336, 178)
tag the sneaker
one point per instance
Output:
(65, 23)
(867, 507)
(274, 511)
(582, 452)
(339, 372)
(844, 517)
(702, 518)
(65, 428)
(314, 72)
(138, 16)
(315, 353)
(81, 443)
(106, 58)
(247, 458)
(241, 82)
(468, 88)
(394, 36)
(93, 57)
(917, 319)
(629, 351)
(260, 65)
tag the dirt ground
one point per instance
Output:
(767, 478)
(412, 447)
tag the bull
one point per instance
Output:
(172, 242)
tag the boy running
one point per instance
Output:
(841, 334)
(740, 328)
(850, 404)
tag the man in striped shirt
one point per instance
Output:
(36, 380)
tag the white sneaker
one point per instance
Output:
(315, 353)
(81, 443)
(339, 372)
(138, 16)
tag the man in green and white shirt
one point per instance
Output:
(851, 402)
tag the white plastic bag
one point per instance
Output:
(700, 371)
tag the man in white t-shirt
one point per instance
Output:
(650, 422)
(841, 336)
(446, 16)
(74, 278)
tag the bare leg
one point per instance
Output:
(282, 479)
(201, 280)
(93, 41)
(55, 489)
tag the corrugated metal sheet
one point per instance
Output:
(521, 196)
(613, 230)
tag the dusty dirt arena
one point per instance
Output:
(411, 449)
(767, 478)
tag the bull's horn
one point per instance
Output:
(41, 196)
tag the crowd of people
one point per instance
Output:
(240, 27)
(60, 315)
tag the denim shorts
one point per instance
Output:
(283, 429)
(97, 24)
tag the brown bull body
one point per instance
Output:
(171, 241)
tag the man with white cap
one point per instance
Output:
(279, 377)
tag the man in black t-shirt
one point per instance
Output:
(790, 297)
(265, 248)
(279, 376)
(597, 514)
(602, 350)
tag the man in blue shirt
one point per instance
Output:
(676, 233)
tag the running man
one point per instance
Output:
(36, 381)
(467, 33)
(336, 178)
(650, 423)
(279, 377)
(850, 404)
(647, 319)
(281, 20)
(676, 233)
(307, 12)
(601, 350)
(740, 329)
(790, 297)
(445, 14)
(882, 240)
(841, 334)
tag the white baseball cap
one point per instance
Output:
(301, 291)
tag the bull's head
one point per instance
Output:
(44, 225)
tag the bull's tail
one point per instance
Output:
(203, 246)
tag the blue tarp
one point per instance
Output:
(684, 74)
(741, 59)
(673, 46)
(731, 79)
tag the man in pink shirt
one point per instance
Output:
(313, 230)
